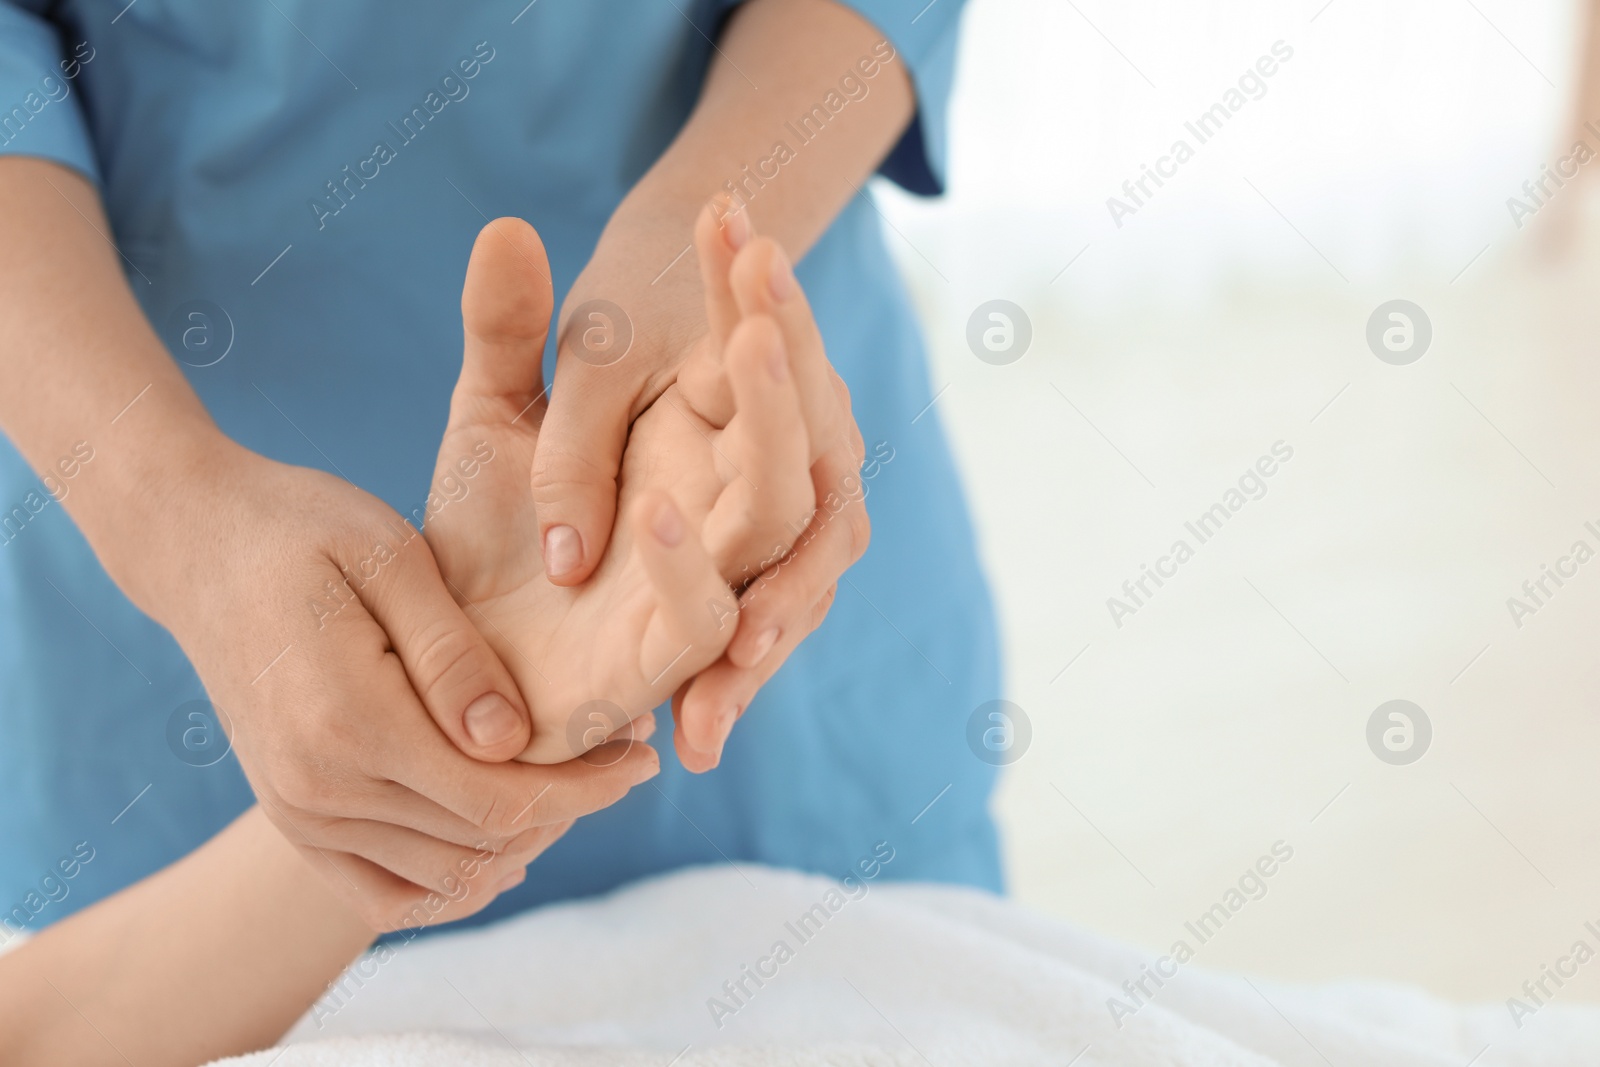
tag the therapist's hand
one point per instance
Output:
(611, 368)
(774, 59)
(356, 690)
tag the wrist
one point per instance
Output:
(152, 504)
(644, 265)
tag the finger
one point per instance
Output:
(397, 805)
(386, 902)
(462, 683)
(503, 799)
(777, 611)
(511, 869)
(505, 314)
(764, 284)
(721, 229)
(707, 707)
(634, 731)
(695, 613)
(425, 861)
(769, 496)
(575, 464)
(833, 541)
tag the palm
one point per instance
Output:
(653, 613)
(569, 646)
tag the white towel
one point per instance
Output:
(896, 975)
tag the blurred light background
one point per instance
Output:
(1228, 314)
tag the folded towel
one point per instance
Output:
(719, 965)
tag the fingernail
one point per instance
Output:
(491, 719)
(563, 551)
(725, 724)
(736, 228)
(513, 879)
(763, 644)
(667, 526)
(780, 277)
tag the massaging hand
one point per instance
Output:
(351, 705)
(715, 484)
(579, 461)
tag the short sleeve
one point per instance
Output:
(924, 37)
(39, 112)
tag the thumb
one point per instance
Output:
(579, 451)
(457, 676)
(505, 314)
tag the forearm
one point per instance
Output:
(90, 396)
(755, 135)
(215, 955)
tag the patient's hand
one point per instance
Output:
(715, 485)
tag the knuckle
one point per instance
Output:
(559, 472)
(498, 819)
(443, 651)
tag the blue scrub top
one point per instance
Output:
(223, 138)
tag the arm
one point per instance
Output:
(795, 52)
(216, 955)
(347, 743)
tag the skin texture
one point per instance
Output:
(775, 60)
(221, 952)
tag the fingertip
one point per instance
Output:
(507, 288)
(693, 760)
(563, 553)
(780, 276)
(759, 273)
(698, 724)
(748, 651)
(646, 766)
(644, 727)
(726, 220)
(497, 727)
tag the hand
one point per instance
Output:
(676, 329)
(702, 499)
(353, 684)
(790, 594)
